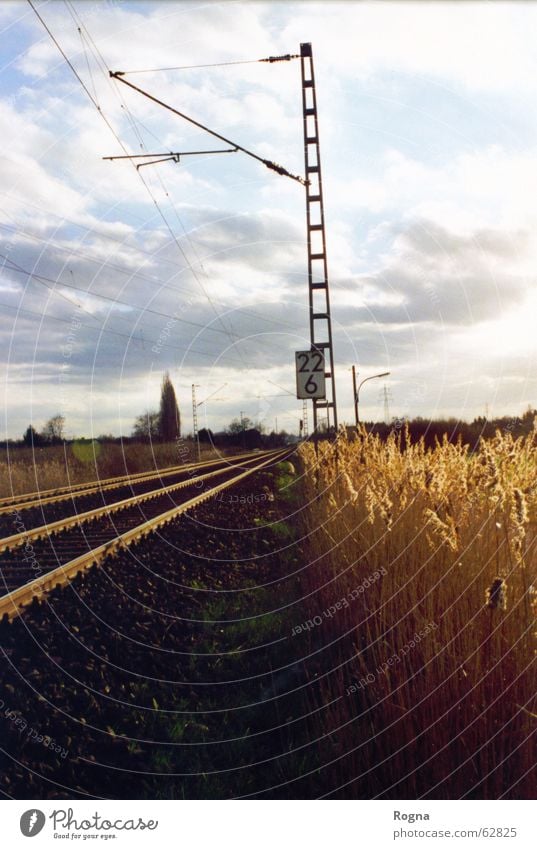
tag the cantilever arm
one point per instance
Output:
(118, 75)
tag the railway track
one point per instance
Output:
(48, 510)
(37, 559)
(104, 488)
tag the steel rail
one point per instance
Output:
(16, 540)
(13, 604)
(44, 496)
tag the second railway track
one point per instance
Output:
(35, 560)
(50, 505)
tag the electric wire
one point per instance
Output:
(192, 67)
(279, 169)
(87, 63)
(97, 53)
(95, 50)
(42, 279)
(143, 310)
(61, 294)
(76, 254)
(269, 59)
(111, 128)
(102, 329)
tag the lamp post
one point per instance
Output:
(355, 395)
(195, 407)
(357, 391)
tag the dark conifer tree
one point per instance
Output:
(169, 417)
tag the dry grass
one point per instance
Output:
(448, 539)
(26, 470)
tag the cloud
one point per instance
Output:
(430, 237)
(480, 47)
(433, 274)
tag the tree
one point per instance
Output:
(54, 430)
(169, 417)
(146, 426)
(106, 437)
(205, 435)
(31, 437)
(240, 425)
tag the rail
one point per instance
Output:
(12, 604)
(47, 496)
(79, 518)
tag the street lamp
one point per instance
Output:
(357, 391)
(195, 407)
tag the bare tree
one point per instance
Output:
(146, 426)
(240, 425)
(54, 430)
(169, 417)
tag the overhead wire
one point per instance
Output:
(40, 278)
(279, 169)
(101, 329)
(44, 280)
(100, 59)
(93, 100)
(111, 128)
(61, 294)
(87, 63)
(93, 47)
(76, 254)
(192, 67)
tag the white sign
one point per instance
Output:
(310, 382)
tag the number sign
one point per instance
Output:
(310, 381)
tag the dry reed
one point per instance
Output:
(427, 677)
(26, 470)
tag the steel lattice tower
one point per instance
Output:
(319, 298)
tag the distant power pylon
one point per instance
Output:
(195, 432)
(386, 394)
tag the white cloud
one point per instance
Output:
(490, 187)
(431, 249)
(481, 46)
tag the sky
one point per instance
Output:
(110, 276)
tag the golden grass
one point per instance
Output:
(427, 674)
(26, 470)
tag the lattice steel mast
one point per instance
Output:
(319, 296)
(195, 429)
(318, 293)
